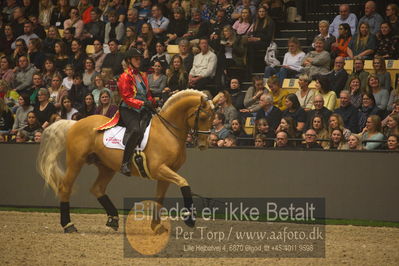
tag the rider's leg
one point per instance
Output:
(131, 119)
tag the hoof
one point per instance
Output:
(189, 219)
(70, 228)
(113, 222)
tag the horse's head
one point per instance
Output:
(200, 121)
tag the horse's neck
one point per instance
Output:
(177, 114)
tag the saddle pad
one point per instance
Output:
(113, 138)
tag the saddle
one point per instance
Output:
(139, 159)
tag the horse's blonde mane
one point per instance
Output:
(184, 93)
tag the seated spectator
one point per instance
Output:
(218, 126)
(6, 118)
(48, 71)
(78, 91)
(355, 92)
(295, 111)
(186, 55)
(157, 80)
(216, 26)
(158, 22)
(68, 38)
(368, 108)
(238, 131)
(354, 143)
(56, 91)
(177, 78)
(114, 59)
(230, 141)
(337, 141)
(60, 14)
(348, 112)
(228, 9)
(36, 57)
(120, 9)
(260, 141)
(358, 71)
(237, 95)
(17, 20)
(98, 56)
(317, 61)
(44, 109)
(6, 69)
(393, 143)
(78, 56)
(253, 94)
(114, 29)
(244, 20)
(45, 10)
(105, 106)
(7, 39)
(288, 125)
(363, 43)
(109, 80)
(49, 42)
(318, 125)
(391, 125)
(66, 110)
(260, 35)
(61, 58)
(197, 28)
(21, 114)
(345, 16)
(89, 73)
(319, 109)
(282, 140)
(98, 87)
(269, 111)
(338, 76)
(328, 38)
(204, 67)
(340, 47)
(28, 34)
(335, 122)
(310, 141)
(177, 27)
(133, 20)
(291, 67)
(74, 21)
(387, 43)
(371, 17)
(381, 96)
(32, 126)
(381, 71)
(230, 51)
(392, 15)
(23, 75)
(95, 29)
(85, 7)
(130, 39)
(394, 96)
(38, 29)
(224, 106)
(262, 128)
(161, 55)
(89, 106)
(20, 137)
(279, 95)
(372, 131)
(20, 50)
(305, 94)
(213, 140)
(143, 47)
(323, 89)
(54, 118)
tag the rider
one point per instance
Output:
(136, 106)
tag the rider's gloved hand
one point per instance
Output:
(148, 105)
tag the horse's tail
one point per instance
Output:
(49, 162)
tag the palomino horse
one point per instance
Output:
(165, 153)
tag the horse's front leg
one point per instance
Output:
(162, 187)
(168, 175)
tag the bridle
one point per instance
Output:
(195, 132)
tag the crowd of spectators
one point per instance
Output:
(61, 59)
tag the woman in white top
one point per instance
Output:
(292, 62)
(67, 110)
(305, 94)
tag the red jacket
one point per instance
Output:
(127, 88)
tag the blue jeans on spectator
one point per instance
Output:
(281, 74)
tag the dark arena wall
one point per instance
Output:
(356, 185)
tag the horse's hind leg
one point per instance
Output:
(105, 175)
(168, 175)
(65, 189)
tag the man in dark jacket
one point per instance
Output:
(318, 103)
(269, 111)
(114, 59)
(338, 76)
(349, 113)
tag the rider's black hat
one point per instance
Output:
(133, 52)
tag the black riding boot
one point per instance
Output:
(127, 155)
